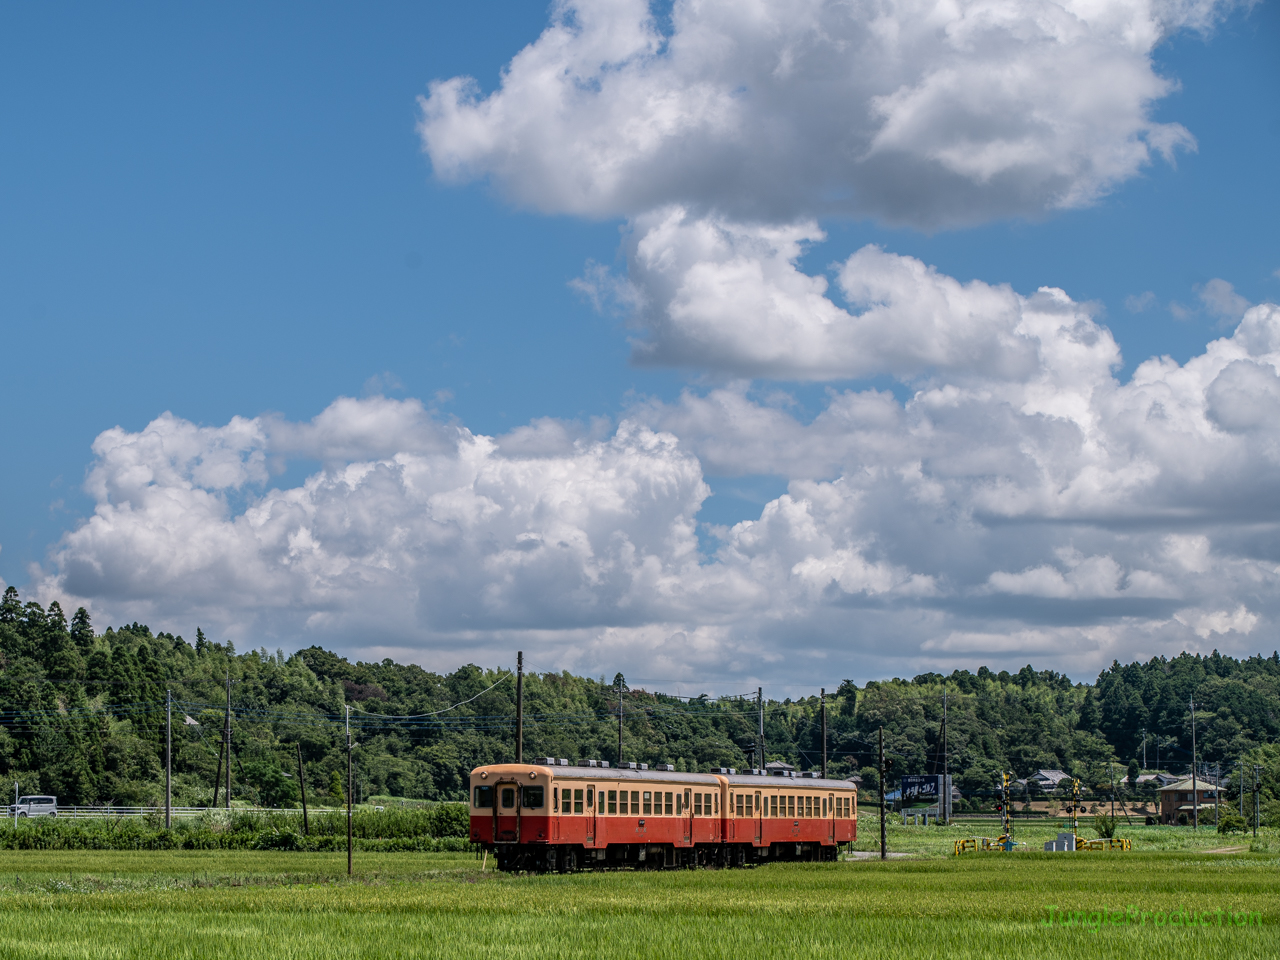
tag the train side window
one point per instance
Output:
(613, 801)
(533, 797)
(577, 801)
(757, 802)
(622, 802)
(697, 804)
(824, 806)
(635, 803)
(601, 796)
(738, 803)
(791, 806)
(686, 801)
(773, 805)
(484, 797)
(508, 797)
(648, 803)
(668, 801)
(679, 808)
(555, 799)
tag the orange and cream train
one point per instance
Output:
(553, 816)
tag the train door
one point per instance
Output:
(590, 812)
(506, 812)
(831, 817)
(759, 819)
(555, 812)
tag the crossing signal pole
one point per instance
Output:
(1075, 806)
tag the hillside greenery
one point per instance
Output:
(84, 719)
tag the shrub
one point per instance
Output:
(1106, 826)
(1230, 822)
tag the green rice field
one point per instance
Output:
(281, 905)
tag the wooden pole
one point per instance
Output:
(227, 737)
(519, 706)
(349, 791)
(1195, 793)
(302, 785)
(168, 759)
(884, 852)
(760, 719)
(823, 700)
(619, 721)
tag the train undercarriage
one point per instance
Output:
(571, 858)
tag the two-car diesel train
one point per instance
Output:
(553, 816)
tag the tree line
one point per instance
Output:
(83, 717)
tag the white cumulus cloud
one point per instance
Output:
(917, 111)
(1062, 514)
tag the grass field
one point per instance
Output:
(294, 905)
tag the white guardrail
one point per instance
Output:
(86, 812)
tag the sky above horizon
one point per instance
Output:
(716, 343)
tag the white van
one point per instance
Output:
(35, 807)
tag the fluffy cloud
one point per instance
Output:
(916, 111)
(1060, 513)
(716, 295)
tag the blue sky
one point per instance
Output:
(228, 211)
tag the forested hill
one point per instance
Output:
(84, 713)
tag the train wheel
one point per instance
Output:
(570, 861)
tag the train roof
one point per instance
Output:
(758, 782)
(578, 772)
(755, 781)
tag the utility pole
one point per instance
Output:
(1257, 789)
(217, 777)
(619, 720)
(824, 733)
(1217, 789)
(1242, 788)
(168, 759)
(302, 785)
(946, 773)
(760, 728)
(883, 833)
(348, 789)
(519, 706)
(226, 735)
(1195, 794)
(1144, 748)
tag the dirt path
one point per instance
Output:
(1243, 849)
